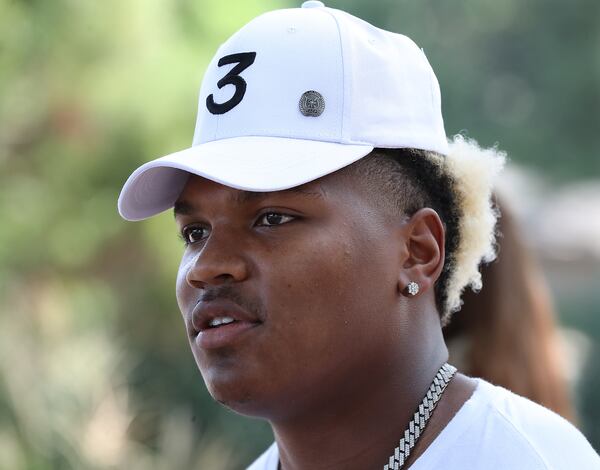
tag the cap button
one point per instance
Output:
(313, 4)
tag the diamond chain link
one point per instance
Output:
(420, 418)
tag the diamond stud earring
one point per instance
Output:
(412, 288)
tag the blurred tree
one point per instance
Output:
(525, 75)
(88, 91)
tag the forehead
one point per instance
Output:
(199, 190)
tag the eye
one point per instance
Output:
(274, 218)
(194, 234)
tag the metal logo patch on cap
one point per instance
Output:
(312, 103)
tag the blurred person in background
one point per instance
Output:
(314, 298)
(507, 333)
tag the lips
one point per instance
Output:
(220, 323)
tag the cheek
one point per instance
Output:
(319, 303)
(327, 291)
(183, 291)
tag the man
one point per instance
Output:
(330, 229)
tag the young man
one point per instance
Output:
(330, 228)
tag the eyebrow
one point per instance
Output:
(187, 208)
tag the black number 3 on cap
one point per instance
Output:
(243, 60)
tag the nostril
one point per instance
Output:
(207, 282)
(225, 277)
(196, 284)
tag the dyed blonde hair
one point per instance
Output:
(474, 171)
(459, 187)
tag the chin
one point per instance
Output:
(237, 391)
(242, 383)
(239, 399)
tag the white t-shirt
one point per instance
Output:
(496, 429)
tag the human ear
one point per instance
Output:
(424, 237)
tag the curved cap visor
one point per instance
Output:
(252, 163)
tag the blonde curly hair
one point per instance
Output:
(459, 187)
(474, 171)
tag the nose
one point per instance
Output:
(218, 262)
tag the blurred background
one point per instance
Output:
(95, 369)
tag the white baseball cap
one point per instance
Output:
(294, 95)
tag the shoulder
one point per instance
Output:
(498, 429)
(551, 439)
(268, 460)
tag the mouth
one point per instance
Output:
(225, 335)
(220, 323)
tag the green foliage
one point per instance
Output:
(95, 371)
(521, 74)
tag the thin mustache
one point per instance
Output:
(228, 292)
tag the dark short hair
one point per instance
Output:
(408, 180)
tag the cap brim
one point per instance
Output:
(246, 163)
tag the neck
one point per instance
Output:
(358, 424)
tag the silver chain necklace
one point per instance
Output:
(420, 418)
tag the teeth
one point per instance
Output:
(220, 321)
